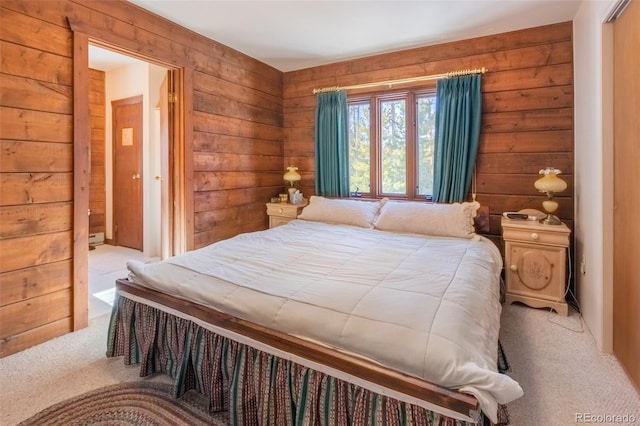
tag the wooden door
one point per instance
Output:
(626, 157)
(166, 105)
(127, 172)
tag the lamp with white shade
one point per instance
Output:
(292, 176)
(550, 184)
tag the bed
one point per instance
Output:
(357, 312)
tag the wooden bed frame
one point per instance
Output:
(355, 366)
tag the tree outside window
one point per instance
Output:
(391, 140)
(359, 148)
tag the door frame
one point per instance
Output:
(181, 164)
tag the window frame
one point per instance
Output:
(375, 100)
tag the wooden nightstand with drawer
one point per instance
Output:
(281, 213)
(536, 263)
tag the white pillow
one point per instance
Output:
(341, 211)
(446, 220)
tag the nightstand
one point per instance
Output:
(281, 213)
(536, 263)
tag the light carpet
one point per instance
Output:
(561, 371)
(67, 366)
(565, 378)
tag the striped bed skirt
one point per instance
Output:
(255, 387)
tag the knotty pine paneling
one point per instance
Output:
(48, 331)
(36, 127)
(236, 134)
(527, 111)
(244, 214)
(36, 64)
(97, 184)
(221, 143)
(16, 221)
(28, 283)
(429, 59)
(246, 110)
(543, 141)
(33, 250)
(525, 99)
(47, 36)
(31, 313)
(37, 157)
(31, 125)
(35, 188)
(207, 200)
(28, 93)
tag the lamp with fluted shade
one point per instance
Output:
(292, 176)
(550, 184)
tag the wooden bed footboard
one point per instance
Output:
(352, 365)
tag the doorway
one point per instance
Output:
(170, 140)
(127, 147)
(135, 150)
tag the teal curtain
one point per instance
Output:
(458, 108)
(332, 145)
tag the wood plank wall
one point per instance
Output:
(37, 182)
(236, 105)
(241, 113)
(527, 117)
(97, 188)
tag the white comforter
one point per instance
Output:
(424, 305)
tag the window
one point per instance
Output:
(391, 140)
(359, 147)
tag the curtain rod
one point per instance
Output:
(403, 81)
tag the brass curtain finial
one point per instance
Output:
(461, 73)
(327, 89)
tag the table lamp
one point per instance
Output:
(550, 184)
(292, 176)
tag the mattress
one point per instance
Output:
(426, 306)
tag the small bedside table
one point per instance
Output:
(535, 263)
(281, 213)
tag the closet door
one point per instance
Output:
(626, 242)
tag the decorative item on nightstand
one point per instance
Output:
(292, 176)
(550, 184)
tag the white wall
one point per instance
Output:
(593, 86)
(152, 200)
(124, 82)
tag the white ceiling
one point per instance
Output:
(292, 35)
(106, 60)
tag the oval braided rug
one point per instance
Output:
(135, 403)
